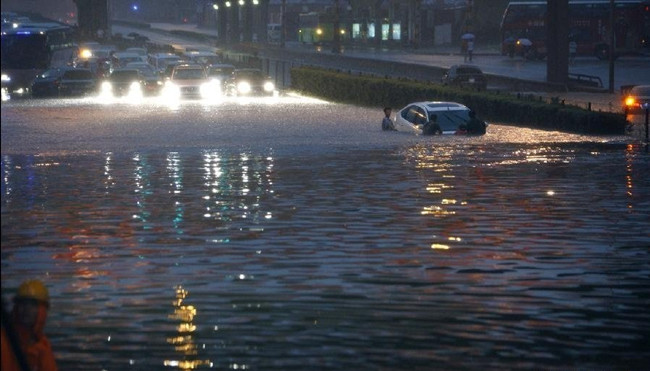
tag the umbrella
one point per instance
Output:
(524, 42)
(467, 36)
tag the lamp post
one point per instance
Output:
(612, 46)
(283, 22)
(336, 37)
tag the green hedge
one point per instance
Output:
(374, 91)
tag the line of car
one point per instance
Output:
(195, 74)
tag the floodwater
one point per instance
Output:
(293, 234)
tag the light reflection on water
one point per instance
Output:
(464, 255)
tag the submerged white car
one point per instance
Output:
(450, 118)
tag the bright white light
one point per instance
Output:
(171, 93)
(244, 87)
(135, 92)
(228, 4)
(211, 90)
(107, 87)
(215, 6)
(269, 86)
(5, 78)
(85, 53)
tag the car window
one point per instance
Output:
(78, 75)
(189, 74)
(451, 120)
(124, 75)
(641, 90)
(249, 74)
(221, 70)
(415, 115)
(468, 71)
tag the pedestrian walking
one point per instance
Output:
(470, 49)
(28, 316)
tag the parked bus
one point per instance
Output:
(523, 27)
(318, 28)
(31, 48)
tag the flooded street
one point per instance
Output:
(290, 234)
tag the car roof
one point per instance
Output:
(432, 106)
(126, 54)
(641, 89)
(466, 66)
(186, 65)
(165, 55)
(220, 65)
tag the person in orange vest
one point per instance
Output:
(28, 316)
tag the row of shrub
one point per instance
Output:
(375, 91)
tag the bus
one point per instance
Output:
(318, 28)
(30, 48)
(523, 27)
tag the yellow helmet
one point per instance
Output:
(33, 289)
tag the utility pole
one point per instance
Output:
(612, 45)
(557, 36)
(336, 37)
(92, 15)
(283, 22)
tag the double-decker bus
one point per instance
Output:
(32, 47)
(589, 27)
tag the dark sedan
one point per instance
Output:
(124, 82)
(465, 75)
(249, 81)
(46, 84)
(77, 82)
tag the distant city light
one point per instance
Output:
(135, 7)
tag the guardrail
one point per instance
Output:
(585, 80)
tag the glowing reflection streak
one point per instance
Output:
(7, 165)
(175, 173)
(213, 173)
(629, 171)
(142, 189)
(184, 342)
(109, 182)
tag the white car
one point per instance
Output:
(451, 117)
(191, 81)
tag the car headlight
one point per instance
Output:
(106, 87)
(171, 90)
(85, 54)
(244, 87)
(5, 78)
(135, 87)
(630, 102)
(269, 86)
(210, 89)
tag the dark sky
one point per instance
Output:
(57, 10)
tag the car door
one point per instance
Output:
(410, 117)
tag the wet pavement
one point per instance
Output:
(289, 233)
